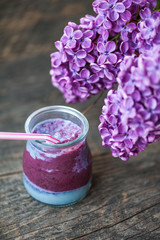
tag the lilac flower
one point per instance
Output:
(108, 48)
(128, 28)
(78, 57)
(130, 117)
(102, 19)
(87, 22)
(87, 79)
(104, 37)
(127, 109)
(145, 13)
(148, 30)
(124, 50)
(105, 73)
(61, 56)
(113, 7)
(105, 52)
(86, 39)
(95, 5)
(70, 36)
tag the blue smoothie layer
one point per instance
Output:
(56, 198)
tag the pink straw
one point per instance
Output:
(28, 136)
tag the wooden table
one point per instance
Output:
(124, 201)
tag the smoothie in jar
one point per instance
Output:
(58, 174)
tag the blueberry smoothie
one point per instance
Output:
(57, 174)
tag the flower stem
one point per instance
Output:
(157, 7)
(115, 37)
(91, 105)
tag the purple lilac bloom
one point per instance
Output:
(71, 72)
(92, 54)
(130, 118)
(125, 29)
(88, 48)
(111, 11)
(106, 53)
(148, 30)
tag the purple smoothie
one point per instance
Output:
(61, 168)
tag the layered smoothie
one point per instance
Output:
(57, 174)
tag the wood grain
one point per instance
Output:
(124, 201)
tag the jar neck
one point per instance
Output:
(63, 112)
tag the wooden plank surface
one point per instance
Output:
(124, 201)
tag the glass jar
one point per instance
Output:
(57, 174)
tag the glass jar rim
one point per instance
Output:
(64, 109)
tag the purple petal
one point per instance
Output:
(70, 52)
(56, 62)
(103, 131)
(113, 15)
(83, 89)
(126, 16)
(59, 45)
(90, 58)
(110, 46)
(116, 28)
(64, 39)
(107, 24)
(151, 103)
(129, 88)
(109, 75)
(127, 3)
(88, 33)
(81, 54)
(136, 96)
(99, 20)
(105, 35)
(129, 102)
(145, 13)
(73, 25)
(68, 31)
(63, 81)
(74, 67)
(77, 34)
(132, 113)
(112, 58)
(95, 68)
(71, 43)
(112, 120)
(86, 43)
(119, 137)
(101, 59)
(100, 47)
(112, 2)
(140, 131)
(93, 79)
(94, 91)
(124, 47)
(85, 73)
(80, 62)
(122, 128)
(128, 143)
(131, 27)
(113, 109)
(124, 35)
(103, 6)
(64, 57)
(119, 7)
(132, 134)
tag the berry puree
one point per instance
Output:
(58, 168)
(64, 130)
